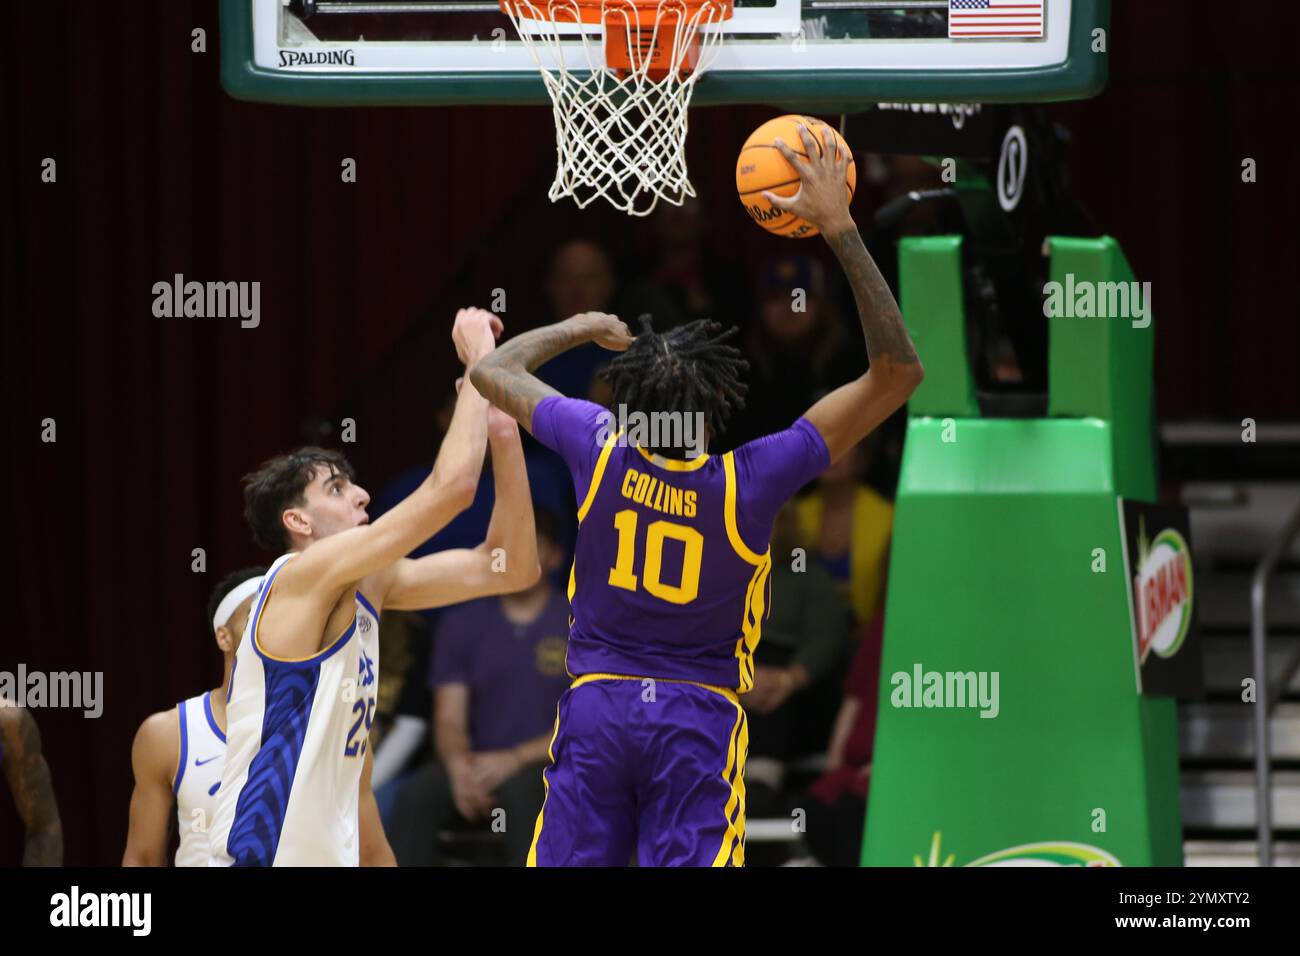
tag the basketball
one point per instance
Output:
(761, 166)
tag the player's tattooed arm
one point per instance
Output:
(850, 413)
(505, 377)
(882, 320)
(29, 781)
(823, 200)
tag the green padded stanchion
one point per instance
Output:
(1010, 725)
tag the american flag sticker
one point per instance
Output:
(995, 19)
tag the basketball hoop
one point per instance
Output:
(621, 113)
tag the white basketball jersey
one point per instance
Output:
(296, 734)
(198, 775)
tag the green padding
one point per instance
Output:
(930, 290)
(1007, 559)
(1006, 456)
(1103, 366)
(992, 571)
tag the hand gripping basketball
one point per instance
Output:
(821, 199)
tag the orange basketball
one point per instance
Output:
(761, 166)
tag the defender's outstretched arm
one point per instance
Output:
(505, 561)
(358, 552)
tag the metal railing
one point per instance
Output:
(1259, 646)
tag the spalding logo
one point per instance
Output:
(746, 170)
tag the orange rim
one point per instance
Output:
(644, 13)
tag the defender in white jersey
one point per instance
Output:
(179, 753)
(305, 683)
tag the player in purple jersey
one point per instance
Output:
(670, 578)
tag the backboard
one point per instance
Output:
(825, 54)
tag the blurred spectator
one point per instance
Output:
(498, 671)
(548, 480)
(836, 803)
(799, 665)
(687, 280)
(401, 730)
(798, 349)
(580, 279)
(847, 526)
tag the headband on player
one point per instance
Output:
(233, 600)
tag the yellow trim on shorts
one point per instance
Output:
(546, 790)
(597, 474)
(717, 689)
(674, 464)
(732, 850)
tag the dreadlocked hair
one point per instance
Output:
(687, 369)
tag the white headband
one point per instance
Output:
(232, 600)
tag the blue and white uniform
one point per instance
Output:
(198, 775)
(296, 734)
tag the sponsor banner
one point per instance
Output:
(1162, 600)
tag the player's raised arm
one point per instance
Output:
(505, 377)
(506, 560)
(851, 412)
(153, 761)
(351, 555)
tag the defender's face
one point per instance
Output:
(334, 503)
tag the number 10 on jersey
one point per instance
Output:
(623, 574)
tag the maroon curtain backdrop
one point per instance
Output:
(160, 173)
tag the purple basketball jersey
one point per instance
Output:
(670, 576)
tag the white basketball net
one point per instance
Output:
(620, 138)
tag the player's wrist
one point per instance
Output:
(583, 328)
(838, 225)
